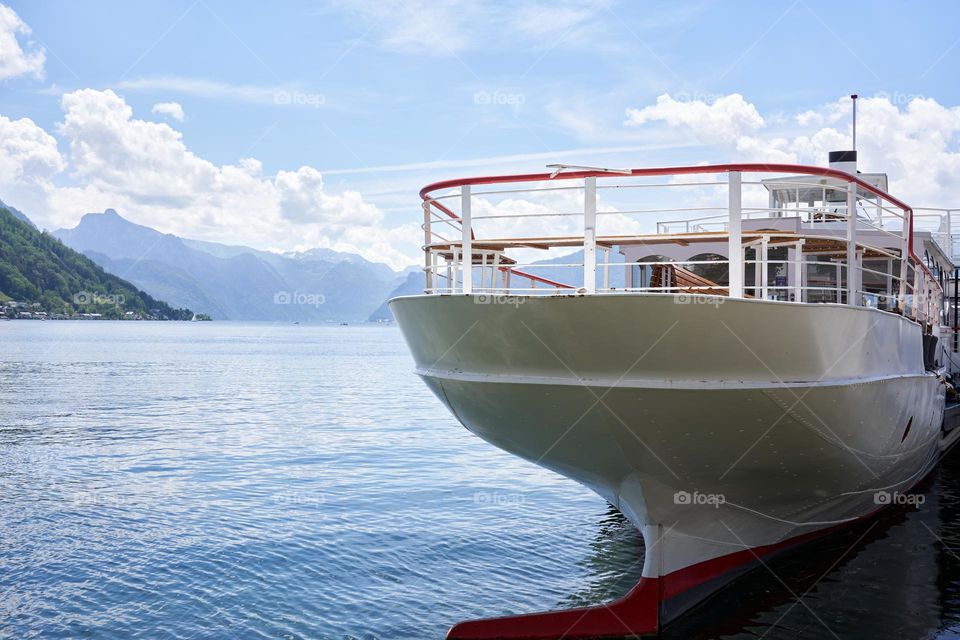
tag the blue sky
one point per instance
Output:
(366, 93)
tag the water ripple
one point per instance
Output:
(255, 481)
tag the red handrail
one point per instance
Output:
(748, 167)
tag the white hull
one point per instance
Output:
(723, 430)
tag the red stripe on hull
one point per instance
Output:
(635, 614)
(682, 580)
(639, 613)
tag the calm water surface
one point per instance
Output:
(218, 480)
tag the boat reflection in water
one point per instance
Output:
(895, 576)
(614, 567)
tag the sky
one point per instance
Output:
(300, 124)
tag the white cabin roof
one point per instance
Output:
(810, 189)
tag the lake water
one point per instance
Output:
(219, 480)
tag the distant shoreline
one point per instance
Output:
(3, 318)
(323, 323)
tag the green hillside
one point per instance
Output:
(35, 267)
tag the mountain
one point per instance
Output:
(17, 214)
(574, 275)
(36, 268)
(412, 286)
(415, 282)
(234, 282)
(329, 255)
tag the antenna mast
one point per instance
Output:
(854, 99)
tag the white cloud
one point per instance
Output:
(28, 154)
(429, 27)
(917, 146)
(535, 215)
(381, 244)
(258, 94)
(552, 24)
(537, 20)
(15, 60)
(146, 171)
(169, 109)
(809, 119)
(147, 161)
(447, 27)
(724, 120)
(523, 160)
(302, 199)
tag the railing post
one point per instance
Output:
(606, 268)
(467, 242)
(949, 235)
(916, 293)
(798, 271)
(953, 250)
(456, 269)
(762, 268)
(483, 271)
(590, 234)
(853, 297)
(735, 237)
(953, 319)
(904, 263)
(922, 300)
(839, 281)
(427, 254)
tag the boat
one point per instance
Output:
(741, 358)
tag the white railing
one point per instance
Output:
(942, 227)
(474, 236)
